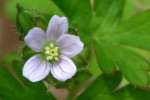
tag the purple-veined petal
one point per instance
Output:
(70, 45)
(64, 69)
(57, 26)
(36, 69)
(35, 39)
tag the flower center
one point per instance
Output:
(51, 52)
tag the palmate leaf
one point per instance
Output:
(113, 38)
(133, 33)
(104, 88)
(13, 90)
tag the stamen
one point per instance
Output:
(55, 54)
(49, 57)
(51, 52)
(56, 58)
(47, 48)
(47, 52)
(51, 45)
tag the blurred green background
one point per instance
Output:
(9, 32)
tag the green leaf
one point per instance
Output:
(127, 93)
(13, 90)
(79, 14)
(135, 31)
(27, 19)
(115, 49)
(46, 6)
(26, 53)
(80, 78)
(131, 69)
(130, 9)
(107, 13)
(105, 88)
(94, 66)
(132, 93)
(104, 58)
(102, 85)
(87, 16)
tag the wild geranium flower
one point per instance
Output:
(54, 49)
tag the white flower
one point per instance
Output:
(54, 49)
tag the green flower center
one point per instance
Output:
(51, 52)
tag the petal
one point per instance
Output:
(70, 45)
(35, 39)
(36, 69)
(57, 26)
(64, 69)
